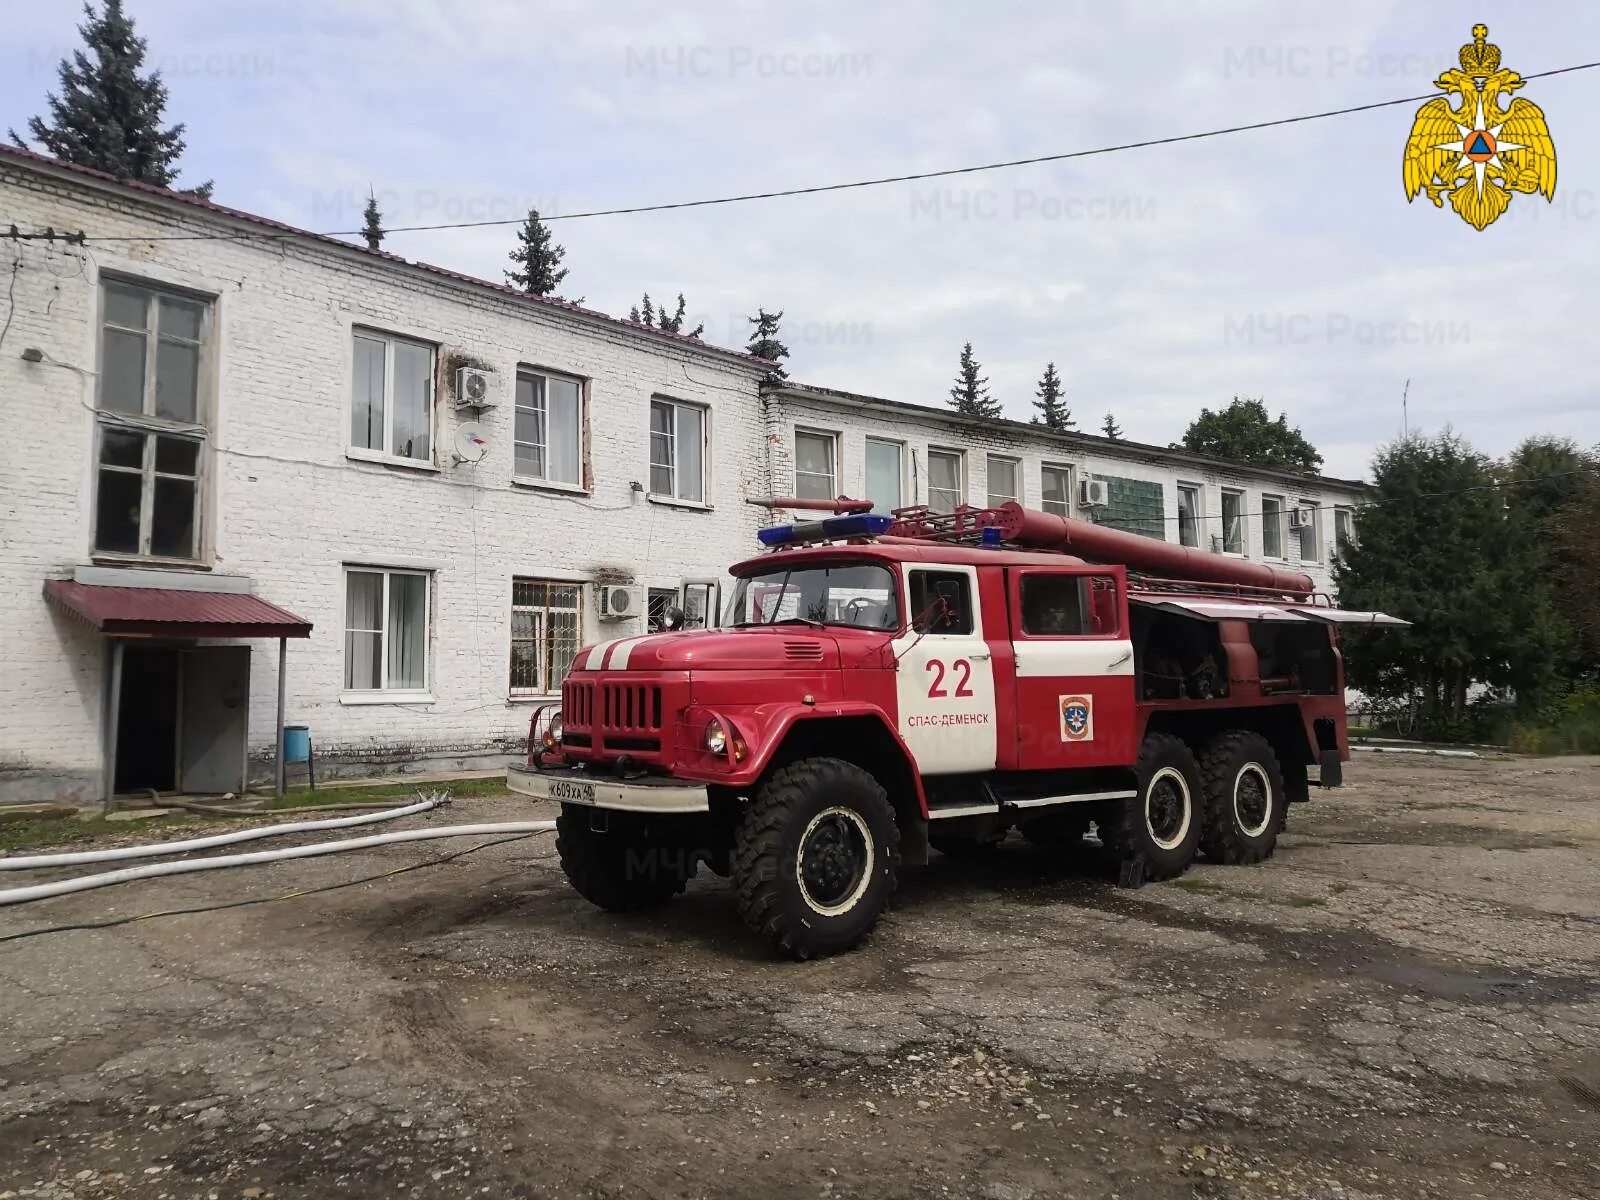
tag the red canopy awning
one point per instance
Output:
(173, 612)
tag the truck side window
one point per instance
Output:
(941, 602)
(1069, 605)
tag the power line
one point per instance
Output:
(851, 185)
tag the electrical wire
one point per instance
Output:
(113, 922)
(816, 189)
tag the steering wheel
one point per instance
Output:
(853, 608)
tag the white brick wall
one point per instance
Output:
(286, 507)
(854, 419)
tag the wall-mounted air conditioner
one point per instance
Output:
(1302, 518)
(1093, 493)
(621, 602)
(474, 388)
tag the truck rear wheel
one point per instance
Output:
(815, 857)
(621, 868)
(1161, 824)
(1245, 801)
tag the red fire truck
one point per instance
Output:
(884, 685)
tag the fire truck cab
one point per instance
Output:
(882, 686)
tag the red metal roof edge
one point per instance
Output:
(113, 609)
(33, 157)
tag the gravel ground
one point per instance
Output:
(1404, 1002)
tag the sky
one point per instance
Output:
(1281, 263)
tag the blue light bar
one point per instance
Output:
(827, 529)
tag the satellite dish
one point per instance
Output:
(471, 444)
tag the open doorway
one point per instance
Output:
(147, 728)
(183, 718)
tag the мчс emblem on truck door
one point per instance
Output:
(1077, 718)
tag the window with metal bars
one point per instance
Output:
(546, 630)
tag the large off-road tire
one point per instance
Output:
(1245, 798)
(624, 868)
(815, 857)
(1160, 826)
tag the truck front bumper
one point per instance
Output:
(642, 795)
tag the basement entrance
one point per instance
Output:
(183, 718)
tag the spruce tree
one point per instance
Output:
(656, 318)
(1110, 428)
(1053, 412)
(539, 258)
(764, 341)
(372, 227)
(970, 395)
(108, 116)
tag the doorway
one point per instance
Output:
(183, 719)
(147, 728)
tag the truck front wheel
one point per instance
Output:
(1160, 825)
(1245, 800)
(815, 857)
(621, 868)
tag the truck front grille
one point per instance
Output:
(623, 717)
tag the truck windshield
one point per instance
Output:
(855, 595)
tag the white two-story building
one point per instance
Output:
(250, 470)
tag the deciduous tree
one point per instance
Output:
(1243, 433)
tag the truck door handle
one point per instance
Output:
(1124, 657)
(984, 657)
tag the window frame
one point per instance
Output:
(829, 438)
(149, 424)
(386, 455)
(1343, 515)
(1197, 517)
(675, 496)
(1016, 478)
(1276, 522)
(580, 451)
(960, 457)
(384, 694)
(1118, 580)
(900, 472)
(543, 637)
(1071, 489)
(910, 618)
(1237, 495)
(1316, 531)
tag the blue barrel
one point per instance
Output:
(296, 743)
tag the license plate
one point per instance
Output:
(570, 792)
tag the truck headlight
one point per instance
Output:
(552, 733)
(716, 736)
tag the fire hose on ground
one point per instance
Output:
(64, 887)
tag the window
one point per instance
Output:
(391, 409)
(699, 604)
(1232, 521)
(548, 435)
(1309, 541)
(1002, 480)
(546, 627)
(885, 475)
(946, 489)
(677, 450)
(1056, 489)
(814, 465)
(859, 595)
(657, 602)
(385, 630)
(1069, 605)
(1344, 528)
(1272, 526)
(152, 421)
(1189, 514)
(941, 601)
